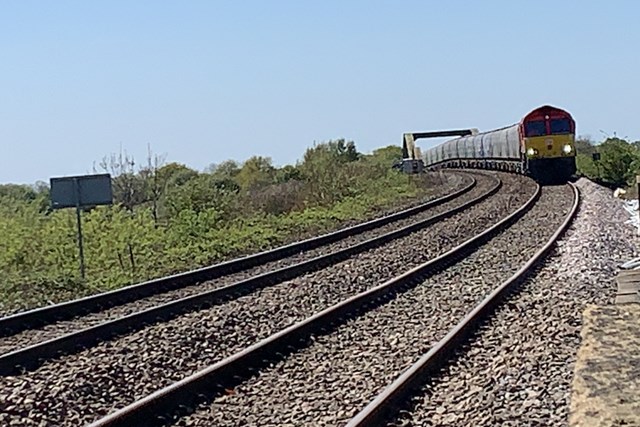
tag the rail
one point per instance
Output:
(13, 324)
(386, 404)
(33, 356)
(177, 398)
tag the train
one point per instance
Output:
(541, 145)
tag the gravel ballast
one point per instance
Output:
(326, 383)
(437, 183)
(40, 334)
(519, 369)
(98, 380)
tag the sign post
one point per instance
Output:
(79, 220)
(596, 160)
(638, 188)
(81, 192)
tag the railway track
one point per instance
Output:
(116, 373)
(338, 373)
(519, 367)
(45, 332)
(15, 323)
(385, 407)
(316, 365)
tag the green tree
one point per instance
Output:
(617, 158)
(323, 169)
(199, 194)
(154, 183)
(339, 150)
(387, 156)
(228, 169)
(587, 167)
(18, 192)
(256, 172)
(288, 173)
(176, 174)
(584, 160)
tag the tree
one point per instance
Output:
(176, 174)
(228, 169)
(199, 194)
(617, 158)
(584, 161)
(18, 192)
(288, 173)
(323, 170)
(256, 172)
(340, 150)
(155, 184)
(344, 151)
(388, 155)
(587, 167)
(128, 187)
(41, 187)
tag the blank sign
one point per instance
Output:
(84, 190)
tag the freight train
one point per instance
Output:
(541, 146)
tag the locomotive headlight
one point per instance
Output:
(532, 151)
(567, 148)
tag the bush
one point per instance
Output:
(188, 220)
(618, 165)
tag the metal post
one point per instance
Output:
(638, 188)
(79, 219)
(596, 160)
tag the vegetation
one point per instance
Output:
(619, 161)
(169, 218)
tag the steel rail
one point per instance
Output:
(387, 404)
(181, 397)
(34, 355)
(18, 322)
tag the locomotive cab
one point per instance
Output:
(547, 136)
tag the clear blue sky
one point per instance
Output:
(205, 81)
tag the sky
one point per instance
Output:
(201, 82)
